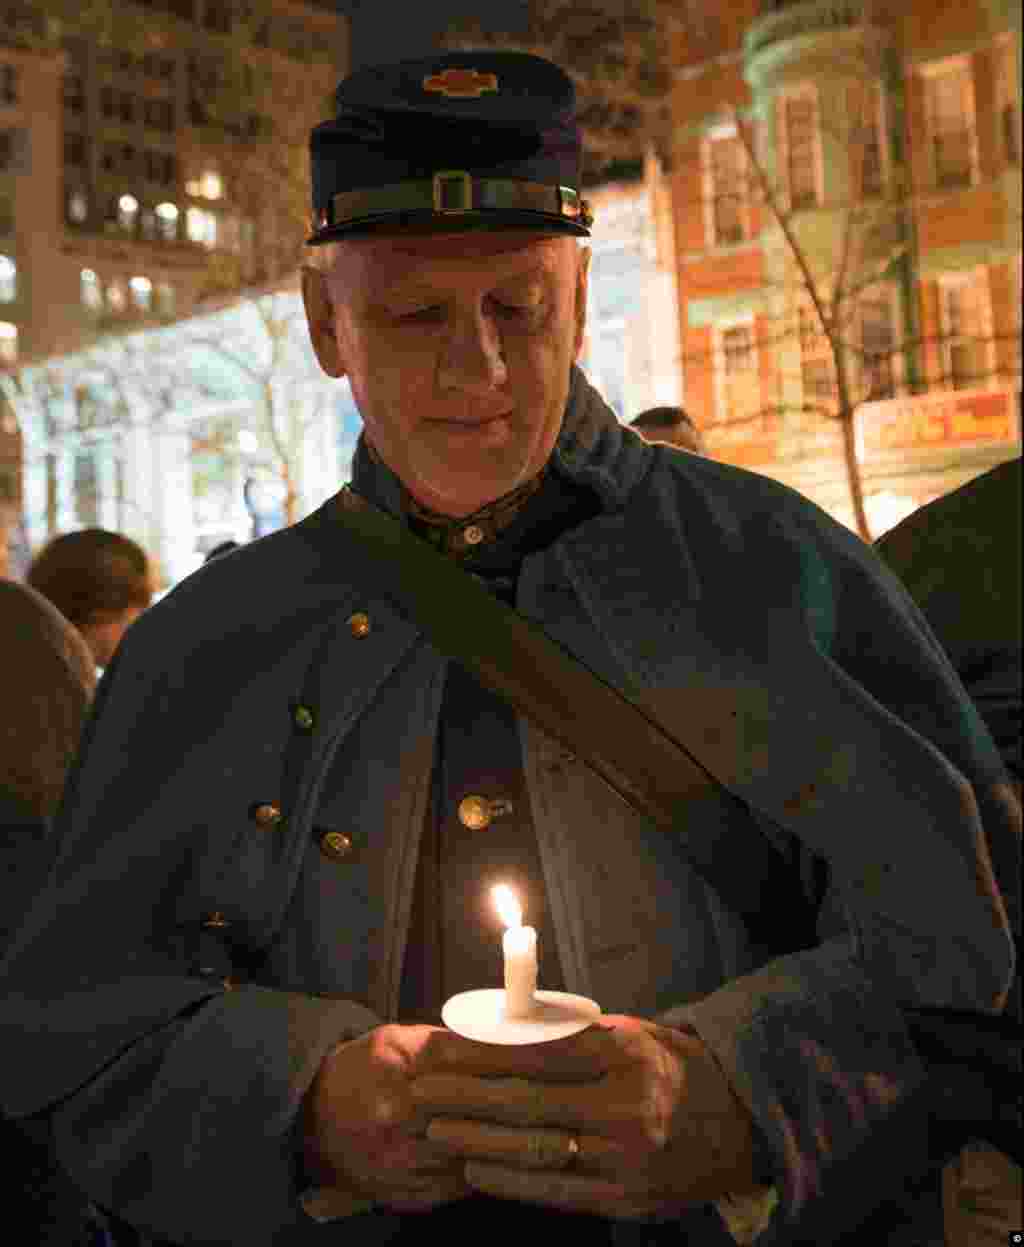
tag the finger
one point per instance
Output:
(423, 1199)
(533, 1148)
(569, 1192)
(510, 1101)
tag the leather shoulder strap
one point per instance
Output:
(619, 740)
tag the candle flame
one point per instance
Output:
(507, 905)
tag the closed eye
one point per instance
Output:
(515, 311)
(432, 313)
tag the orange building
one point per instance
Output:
(871, 153)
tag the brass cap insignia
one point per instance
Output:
(461, 84)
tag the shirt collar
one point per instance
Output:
(593, 451)
(469, 534)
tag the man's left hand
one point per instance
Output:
(627, 1119)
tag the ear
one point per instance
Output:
(582, 280)
(320, 320)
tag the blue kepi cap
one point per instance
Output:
(461, 140)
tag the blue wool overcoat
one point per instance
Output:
(762, 633)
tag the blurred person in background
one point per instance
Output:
(671, 425)
(225, 547)
(960, 558)
(48, 680)
(99, 580)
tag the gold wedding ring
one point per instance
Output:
(547, 1150)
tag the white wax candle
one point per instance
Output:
(519, 946)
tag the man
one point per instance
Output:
(100, 580)
(672, 425)
(276, 851)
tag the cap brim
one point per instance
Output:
(448, 223)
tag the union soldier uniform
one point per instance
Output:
(289, 805)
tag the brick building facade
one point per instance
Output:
(889, 138)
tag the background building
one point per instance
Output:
(631, 350)
(113, 215)
(890, 138)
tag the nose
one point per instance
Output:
(472, 358)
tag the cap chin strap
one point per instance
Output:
(452, 192)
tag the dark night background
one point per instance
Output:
(390, 30)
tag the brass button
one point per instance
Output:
(216, 919)
(266, 814)
(477, 812)
(302, 716)
(337, 845)
(473, 535)
(359, 624)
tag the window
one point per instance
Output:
(865, 132)
(90, 290)
(217, 16)
(801, 151)
(159, 114)
(207, 186)
(817, 370)
(127, 212)
(160, 167)
(877, 342)
(8, 343)
(201, 226)
(76, 150)
(8, 84)
(160, 68)
(738, 346)
(1006, 102)
(14, 151)
(962, 355)
(167, 220)
(739, 389)
(76, 207)
(949, 99)
(8, 279)
(142, 292)
(73, 90)
(727, 174)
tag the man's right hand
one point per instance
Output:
(362, 1132)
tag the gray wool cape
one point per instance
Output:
(766, 636)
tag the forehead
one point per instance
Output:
(483, 254)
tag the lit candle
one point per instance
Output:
(520, 948)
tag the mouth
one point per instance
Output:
(471, 424)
